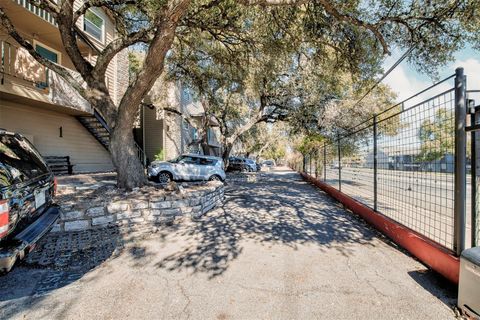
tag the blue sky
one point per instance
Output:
(406, 81)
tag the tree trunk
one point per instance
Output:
(130, 172)
(227, 148)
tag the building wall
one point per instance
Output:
(153, 129)
(41, 126)
(173, 135)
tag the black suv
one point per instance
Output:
(27, 187)
(237, 164)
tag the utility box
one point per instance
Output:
(469, 285)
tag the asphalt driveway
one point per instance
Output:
(278, 249)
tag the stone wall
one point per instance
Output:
(143, 209)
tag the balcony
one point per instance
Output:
(23, 79)
(31, 20)
(36, 10)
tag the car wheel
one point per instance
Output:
(164, 177)
(214, 178)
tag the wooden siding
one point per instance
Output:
(43, 127)
(153, 133)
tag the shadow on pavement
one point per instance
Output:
(282, 209)
(61, 259)
(437, 285)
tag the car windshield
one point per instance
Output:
(19, 161)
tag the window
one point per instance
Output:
(188, 160)
(49, 54)
(93, 25)
(207, 162)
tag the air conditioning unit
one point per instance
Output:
(469, 285)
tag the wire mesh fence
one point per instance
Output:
(400, 163)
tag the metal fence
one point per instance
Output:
(402, 163)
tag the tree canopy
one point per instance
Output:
(267, 60)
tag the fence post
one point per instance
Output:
(375, 166)
(460, 161)
(475, 171)
(311, 156)
(339, 167)
(324, 161)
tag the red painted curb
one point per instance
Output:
(430, 253)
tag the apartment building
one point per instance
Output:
(169, 124)
(39, 104)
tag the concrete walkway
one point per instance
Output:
(279, 249)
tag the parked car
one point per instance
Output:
(237, 164)
(188, 167)
(27, 188)
(268, 163)
(251, 165)
(241, 164)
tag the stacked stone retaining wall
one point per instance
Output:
(143, 209)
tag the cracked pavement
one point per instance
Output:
(278, 249)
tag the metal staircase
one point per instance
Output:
(97, 126)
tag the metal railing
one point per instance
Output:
(37, 11)
(408, 163)
(18, 67)
(17, 62)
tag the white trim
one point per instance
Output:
(59, 54)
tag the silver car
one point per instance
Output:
(189, 167)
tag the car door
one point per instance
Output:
(207, 168)
(188, 168)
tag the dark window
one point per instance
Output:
(49, 55)
(46, 53)
(207, 162)
(188, 160)
(19, 161)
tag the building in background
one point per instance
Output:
(39, 104)
(170, 124)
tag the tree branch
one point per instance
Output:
(69, 40)
(167, 21)
(98, 3)
(273, 2)
(330, 8)
(117, 45)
